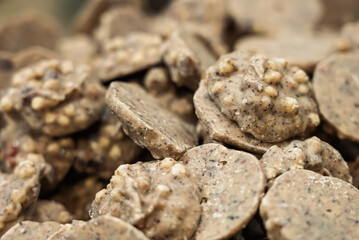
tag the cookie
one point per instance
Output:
(28, 230)
(148, 123)
(302, 204)
(232, 184)
(55, 97)
(78, 48)
(301, 50)
(104, 227)
(161, 198)
(266, 97)
(311, 154)
(335, 86)
(129, 54)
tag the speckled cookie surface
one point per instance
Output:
(161, 198)
(104, 147)
(222, 129)
(28, 230)
(311, 154)
(303, 51)
(232, 185)
(20, 189)
(266, 97)
(129, 54)
(104, 227)
(336, 88)
(275, 16)
(186, 58)
(302, 204)
(148, 123)
(55, 97)
(45, 210)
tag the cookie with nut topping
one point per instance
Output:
(55, 97)
(336, 87)
(232, 184)
(161, 198)
(267, 98)
(311, 154)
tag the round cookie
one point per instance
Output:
(311, 154)
(132, 53)
(266, 97)
(301, 50)
(232, 184)
(20, 189)
(302, 204)
(336, 88)
(102, 148)
(275, 16)
(222, 129)
(161, 198)
(104, 227)
(148, 123)
(28, 230)
(55, 97)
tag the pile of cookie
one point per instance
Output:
(182, 119)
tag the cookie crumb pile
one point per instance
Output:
(182, 120)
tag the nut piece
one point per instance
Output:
(160, 198)
(265, 99)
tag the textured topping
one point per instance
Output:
(232, 184)
(312, 154)
(148, 123)
(27, 230)
(302, 50)
(104, 227)
(305, 205)
(186, 58)
(20, 189)
(103, 148)
(160, 198)
(262, 96)
(51, 91)
(336, 89)
(222, 129)
(125, 55)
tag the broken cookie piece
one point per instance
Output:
(311, 154)
(129, 54)
(28, 230)
(266, 97)
(161, 198)
(148, 123)
(55, 97)
(232, 184)
(336, 88)
(302, 204)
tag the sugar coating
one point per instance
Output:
(27, 230)
(55, 97)
(336, 86)
(161, 198)
(302, 204)
(148, 123)
(20, 189)
(262, 96)
(103, 148)
(311, 154)
(106, 227)
(132, 53)
(232, 184)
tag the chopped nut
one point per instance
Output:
(271, 91)
(63, 120)
(162, 189)
(18, 196)
(300, 76)
(115, 152)
(178, 170)
(226, 67)
(290, 105)
(69, 110)
(272, 77)
(314, 119)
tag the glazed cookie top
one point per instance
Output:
(336, 88)
(304, 205)
(312, 154)
(266, 97)
(161, 198)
